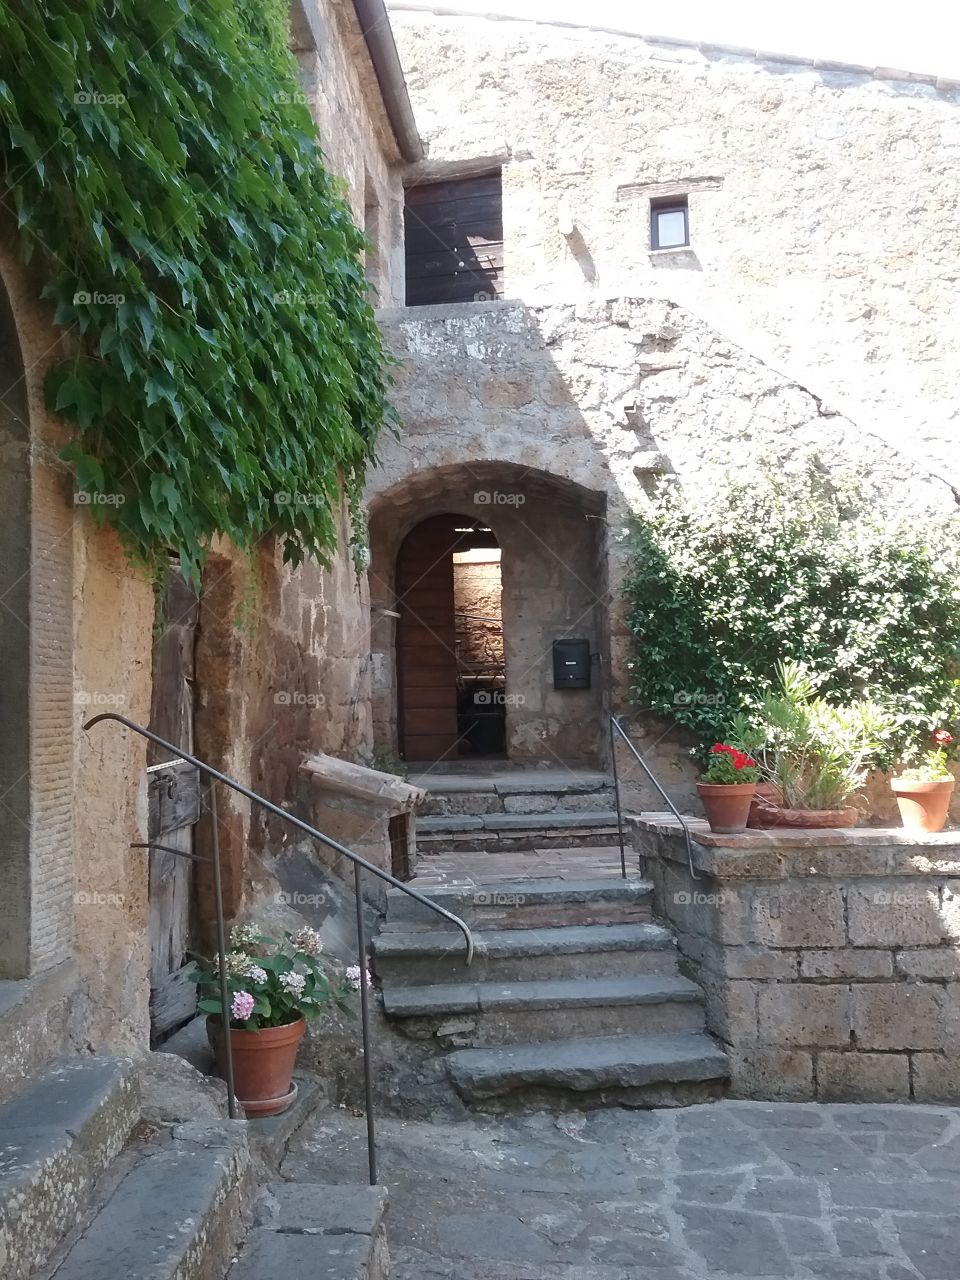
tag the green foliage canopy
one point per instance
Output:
(723, 588)
(168, 184)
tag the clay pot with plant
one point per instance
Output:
(275, 986)
(923, 790)
(727, 787)
(814, 754)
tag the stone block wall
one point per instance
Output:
(830, 960)
(823, 206)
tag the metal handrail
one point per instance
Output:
(616, 725)
(358, 864)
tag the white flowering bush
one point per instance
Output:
(272, 981)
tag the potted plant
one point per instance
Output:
(923, 791)
(275, 986)
(726, 789)
(813, 753)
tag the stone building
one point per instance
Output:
(269, 667)
(627, 260)
(554, 365)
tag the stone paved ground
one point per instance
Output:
(718, 1192)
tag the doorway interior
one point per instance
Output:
(450, 648)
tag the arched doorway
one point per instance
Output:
(450, 650)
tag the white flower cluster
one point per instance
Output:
(308, 941)
(256, 974)
(243, 936)
(293, 983)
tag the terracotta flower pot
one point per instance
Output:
(772, 815)
(263, 1063)
(765, 796)
(727, 805)
(923, 805)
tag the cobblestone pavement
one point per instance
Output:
(717, 1192)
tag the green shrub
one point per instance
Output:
(722, 589)
(169, 188)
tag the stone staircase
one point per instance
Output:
(115, 1167)
(513, 809)
(574, 995)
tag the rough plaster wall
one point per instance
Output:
(345, 100)
(283, 671)
(113, 645)
(829, 250)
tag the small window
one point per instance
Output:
(669, 223)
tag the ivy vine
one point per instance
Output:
(167, 181)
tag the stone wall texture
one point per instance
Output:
(830, 961)
(516, 403)
(824, 210)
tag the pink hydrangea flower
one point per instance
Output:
(242, 1006)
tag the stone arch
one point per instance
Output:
(36, 645)
(15, 509)
(553, 535)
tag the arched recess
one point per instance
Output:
(15, 513)
(553, 537)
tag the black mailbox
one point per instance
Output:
(571, 664)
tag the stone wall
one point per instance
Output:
(824, 215)
(508, 399)
(341, 90)
(830, 961)
(88, 621)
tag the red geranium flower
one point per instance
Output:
(942, 738)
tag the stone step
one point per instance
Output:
(58, 1135)
(452, 824)
(524, 793)
(524, 904)
(498, 832)
(656, 1070)
(312, 1231)
(173, 1214)
(576, 951)
(33, 1018)
(490, 1013)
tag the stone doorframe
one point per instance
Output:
(566, 727)
(36, 642)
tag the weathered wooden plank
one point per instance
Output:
(173, 794)
(463, 287)
(173, 1001)
(420, 193)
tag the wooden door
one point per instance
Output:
(174, 808)
(426, 641)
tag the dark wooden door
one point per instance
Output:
(454, 240)
(426, 642)
(174, 808)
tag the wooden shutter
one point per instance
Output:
(454, 240)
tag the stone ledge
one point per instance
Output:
(785, 852)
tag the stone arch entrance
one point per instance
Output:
(553, 537)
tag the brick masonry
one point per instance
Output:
(830, 960)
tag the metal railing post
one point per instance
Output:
(222, 955)
(615, 724)
(365, 1031)
(616, 791)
